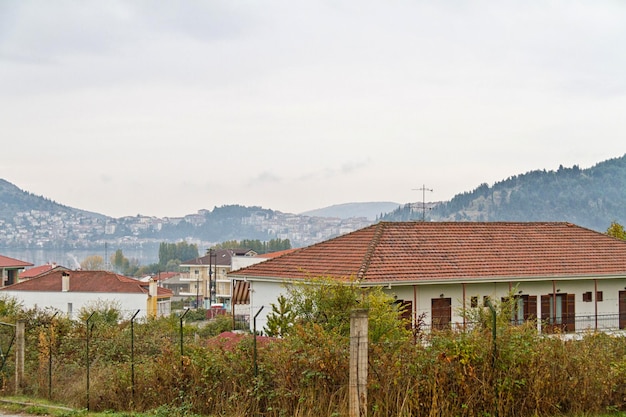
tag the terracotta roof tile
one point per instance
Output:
(6, 262)
(86, 281)
(39, 270)
(423, 251)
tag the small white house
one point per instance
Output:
(69, 291)
(564, 277)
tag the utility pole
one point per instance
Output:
(423, 190)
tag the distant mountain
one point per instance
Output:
(14, 200)
(28, 221)
(591, 198)
(371, 210)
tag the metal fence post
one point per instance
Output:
(256, 367)
(182, 352)
(87, 333)
(50, 355)
(132, 356)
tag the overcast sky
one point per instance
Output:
(165, 108)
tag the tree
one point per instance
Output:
(281, 319)
(176, 252)
(328, 303)
(92, 263)
(616, 230)
(119, 262)
(273, 245)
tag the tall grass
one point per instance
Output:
(306, 373)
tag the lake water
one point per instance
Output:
(72, 258)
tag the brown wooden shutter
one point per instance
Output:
(569, 313)
(546, 323)
(622, 309)
(530, 307)
(241, 292)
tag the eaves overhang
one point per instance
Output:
(446, 281)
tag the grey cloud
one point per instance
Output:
(265, 177)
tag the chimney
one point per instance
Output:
(152, 289)
(65, 281)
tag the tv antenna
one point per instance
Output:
(423, 189)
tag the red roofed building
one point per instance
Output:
(40, 270)
(69, 291)
(10, 269)
(569, 277)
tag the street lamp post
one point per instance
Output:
(210, 277)
(197, 288)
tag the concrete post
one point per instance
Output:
(19, 356)
(358, 363)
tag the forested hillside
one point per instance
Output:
(592, 198)
(14, 200)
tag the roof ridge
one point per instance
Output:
(367, 259)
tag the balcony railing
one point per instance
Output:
(570, 325)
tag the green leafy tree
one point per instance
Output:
(616, 230)
(9, 307)
(281, 319)
(273, 245)
(172, 254)
(328, 303)
(119, 262)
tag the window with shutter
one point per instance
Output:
(558, 313)
(524, 308)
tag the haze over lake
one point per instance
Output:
(70, 258)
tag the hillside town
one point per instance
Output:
(78, 229)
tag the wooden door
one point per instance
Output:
(441, 309)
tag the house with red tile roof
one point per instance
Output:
(70, 291)
(10, 269)
(563, 277)
(40, 270)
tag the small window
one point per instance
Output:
(474, 301)
(598, 296)
(587, 296)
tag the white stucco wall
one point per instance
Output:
(606, 310)
(264, 293)
(128, 303)
(238, 262)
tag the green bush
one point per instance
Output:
(306, 373)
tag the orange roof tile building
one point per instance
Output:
(70, 291)
(565, 277)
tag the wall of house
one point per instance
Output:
(128, 303)
(591, 314)
(263, 294)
